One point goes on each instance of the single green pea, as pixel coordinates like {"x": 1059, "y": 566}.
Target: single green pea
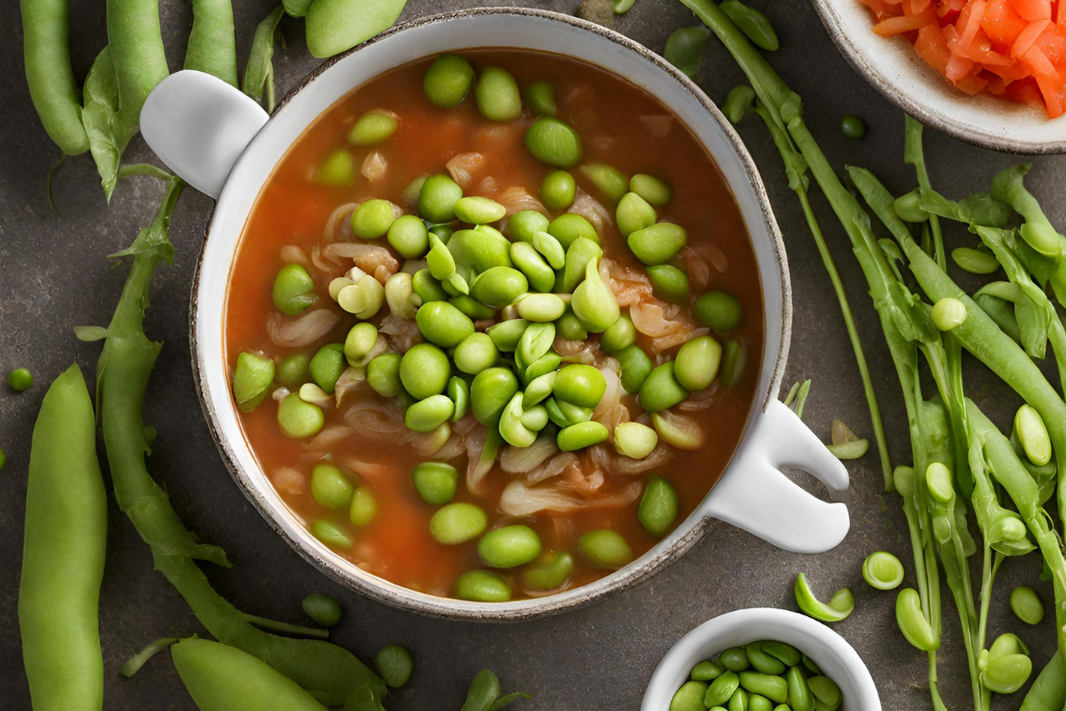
{"x": 331, "y": 535}
{"x": 541, "y": 308}
{"x": 499, "y": 286}
{"x": 568, "y": 227}
{"x": 298, "y": 419}
{"x": 364, "y": 507}
{"x": 429, "y": 414}
{"x": 435, "y": 482}
{"x": 735, "y": 659}
{"x": 689, "y": 697}
{"x": 540, "y": 98}
{"x": 633, "y": 214}
{"x": 372, "y": 219}
{"x": 661, "y": 390}
{"x": 490, "y": 392}
{"x": 21, "y": 379}
{"x": 338, "y": 170}
{"x": 395, "y": 665}
{"x": 330, "y": 487}
{"x": 1005, "y": 644}
{"x": 605, "y": 549}
{"x": 658, "y": 243}
{"x": 948, "y": 313}
{"x": 475, "y": 353}
{"x": 323, "y": 610}
{"x": 1026, "y": 605}
{"x": 619, "y": 335}
{"x": 853, "y": 126}
{"x": 507, "y": 334}
{"x": 437, "y": 198}
{"x": 409, "y": 237}
{"x": 738, "y": 102}
{"x": 569, "y": 327}
{"x": 719, "y": 311}
{"x": 383, "y": 375}
{"x": 578, "y": 255}
{"x": 293, "y": 370}
{"x": 443, "y": 324}
{"x": 448, "y": 80}
{"x": 550, "y": 573}
{"x": 636, "y": 367}
{"x": 579, "y": 384}
{"x": 621, "y": 7}
{"x": 530, "y": 262}
{"x": 611, "y": 182}
{"x": 427, "y": 288}
{"x": 457, "y": 523}
{"x": 634, "y": 440}
{"x": 475, "y": 210}
{"x": 252, "y": 379}
{"x": 655, "y": 191}
{"x": 373, "y": 127}
{"x": 721, "y": 689}
{"x": 509, "y": 546}
{"x": 293, "y": 291}
{"x": 684, "y": 48}
{"x": 537, "y": 340}
{"x": 358, "y": 344}
{"x": 581, "y": 435}
{"x": 696, "y": 364}
{"x": 593, "y": 301}
{"x": 458, "y": 391}
{"x": 707, "y": 671}
{"x": 550, "y": 248}
{"x": 1007, "y": 674}
{"x": 524, "y": 224}
{"x": 669, "y": 283}
{"x": 558, "y": 190}
{"x": 753, "y": 23}
{"x": 424, "y": 370}
{"x": 497, "y": 95}
{"x": 551, "y": 141}
{"x": 482, "y": 586}
{"x": 658, "y": 506}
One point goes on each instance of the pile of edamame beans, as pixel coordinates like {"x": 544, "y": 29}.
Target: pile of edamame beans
{"x": 490, "y": 294}
{"x": 761, "y": 676}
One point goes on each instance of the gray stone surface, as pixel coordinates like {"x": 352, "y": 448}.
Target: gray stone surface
{"x": 55, "y": 276}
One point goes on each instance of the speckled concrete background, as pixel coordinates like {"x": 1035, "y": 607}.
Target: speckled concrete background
{"x": 54, "y": 276}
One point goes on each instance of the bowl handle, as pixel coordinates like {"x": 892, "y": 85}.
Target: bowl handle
{"x": 199, "y": 126}
{"x": 754, "y": 495}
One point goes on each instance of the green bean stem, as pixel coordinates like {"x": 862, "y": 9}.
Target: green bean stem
{"x": 136, "y": 44}
{"x": 212, "y": 46}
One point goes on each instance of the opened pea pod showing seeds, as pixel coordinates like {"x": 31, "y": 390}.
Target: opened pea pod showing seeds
{"x": 475, "y": 343}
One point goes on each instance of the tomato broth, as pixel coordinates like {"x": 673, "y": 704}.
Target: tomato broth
{"x": 620, "y": 125}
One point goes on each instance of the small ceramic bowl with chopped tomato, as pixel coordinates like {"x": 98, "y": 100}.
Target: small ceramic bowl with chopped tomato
{"x": 989, "y": 72}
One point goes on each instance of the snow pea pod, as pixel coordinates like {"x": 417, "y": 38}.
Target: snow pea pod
{"x": 212, "y": 47}
{"x": 1048, "y": 692}
{"x": 136, "y": 45}
{"x": 63, "y": 553}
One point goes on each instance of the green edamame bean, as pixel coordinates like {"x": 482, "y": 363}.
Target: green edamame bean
{"x": 481, "y": 248}
{"x": 754, "y": 24}
{"x": 373, "y": 127}
{"x": 568, "y": 227}
{"x": 658, "y": 243}
{"x": 534, "y": 418}
{"x": 458, "y": 391}
{"x": 424, "y": 371}
{"x": 478, "y": 210}
{"x": 448, "y": 80}
{"x": 569, "y": 327}
{"x": 540, "y": 98}
{"x": 323, "y": 610}
{"x": 509, "y": 546}
{"x": 636, "y": 367}
{"x": 395, "y": 665}
{"x": 457, "y": 523}
{"x": 799, "y": 694}
{"x": 707, "y": 671}
{"x": 358, "y": 344}
{"x": 547, "y": 363}
{"x": 409, "y": 237}
{"x": 541, "y": 308}
{"x": 738, "y": 701}
{"x": 443, "y": 324}
{"x": 761, "y": 703}
{"x": 605, "y": 549}
{"x": 912, "y": 623}
{"x": 472, "y": 307}
{"x": 669, "y": 283}
{"x": 721, "y": 689}
{"x": 529, "y": 261}
{"x": 524, "y": 224}
{"x": 633, "y": 214}
{"x": 825, "y": 692}
{"x": 658, "y": 506}
{"x": 593, "y": 301}
{"x": 372, "y": 219}
{"x": 689, "y": 697}
{"x": 579, "y": 384}
{"x": 550, "y": 247}
{"x": 719, "y": 311}
{"x": 735, "y": 659}
{"x": 490, "y": 392}
{"x": 497, "y": 95}
{"x": 839, "y": 606}
{"x": 679, "y": 433}
{"x": 882, "y": 571}
{"x": 364, "y": 507}
{"x": 298, "y": 419}
{"x": 513, "y": 431}
{"x": 293, "y": 371}
{"x": 383, "y": 375}
{"x": 771, "y": 686}
{"x": 499, "y": 286}
{"x": 789, "y": 655}
{"x": 578, "y": 255}
{"x": 1026, "y": 605}
{"x": 429, "y": 414}
{"x": 507, "y": 334}
{"x": 581, "y": 435}
{"x": 634, "y": 440}
{"x": 338, "y": 170}
{"x": 329, "y": 534}
{"x": 482, "y": 586}
{"x": 551, "y": 141}
{"x": 975, "y": 261}
{"x": 330, "y": 487}
{"x": 661, "y": 390}
{"x": 1007, "y": 674}
{"x": 443, "y": 232}
{"x": 435, "y": 482}
{"x": 1032, "y": 434}
{"x": 683, "y": 49}
{"x": 558, "y": 190}
{"x": 252, "y": 379}
{"x": 437, "y": 198}
{"x": 551, "y": 573}
{"x": 737, "y": 102}
{"x": 655, "y": 191}
{"x": 293, "y": 290}
{"x": 696, "y": 363}
{"x": 475, "y": 353}
{"x": 537, "y": 340}
{"x": 610, "y": 181}
{"x": 619, "y": 335}
{"x": 853, "y": 126}
{"x": 908, "y": 207}
{"x": 427, "y": 288}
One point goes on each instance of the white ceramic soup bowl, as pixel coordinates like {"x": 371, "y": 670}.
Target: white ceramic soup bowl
{"x": 891, "y": 66}
{"x": 835, "y": 657}
{"x": 222, "y": 143}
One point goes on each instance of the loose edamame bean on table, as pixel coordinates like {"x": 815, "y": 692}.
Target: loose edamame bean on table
{"x": 395, "y": 665}
{"x": 1026, "y": 605}
{"x": 323, "y": 610}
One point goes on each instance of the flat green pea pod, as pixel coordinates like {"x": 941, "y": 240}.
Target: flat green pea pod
{"x": 208, "y": 670}
{"x": 684, "y": 47}
{"x": 136, "y": 46}
{"x": 912, "y": 622}
{"x": 755, "y": 25}
{"x": 550, "y": 573}
{"x": 578, "y": 255}
{"x": 838, "y": 608}
{"x": 551, "y": 141}
{"x": 593, "y": 301}
{"x": 658, "y": 243}
{"x": 1048, "y": 692}
{"x": 46, "y": 54}
{"x": 63, "y": 553}
{"x": 335, "y": 26}
{"x": 1007, "y": 674}
{"x": 689, "y": 697}
{"x": 212, "y": 46}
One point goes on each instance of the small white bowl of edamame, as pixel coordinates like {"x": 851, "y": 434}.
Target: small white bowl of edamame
{"x": 829, "y": 653}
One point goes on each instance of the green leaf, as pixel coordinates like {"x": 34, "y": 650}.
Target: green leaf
{"x": 108, "y": 133}
{"x": 685, "y": 47}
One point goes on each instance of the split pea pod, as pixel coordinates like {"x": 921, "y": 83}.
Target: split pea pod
{"x": 63, "y": 553}
{"x": 212, "y": 47}
{"x": 133, "y": 35}
{"x": 55, "y": 94}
